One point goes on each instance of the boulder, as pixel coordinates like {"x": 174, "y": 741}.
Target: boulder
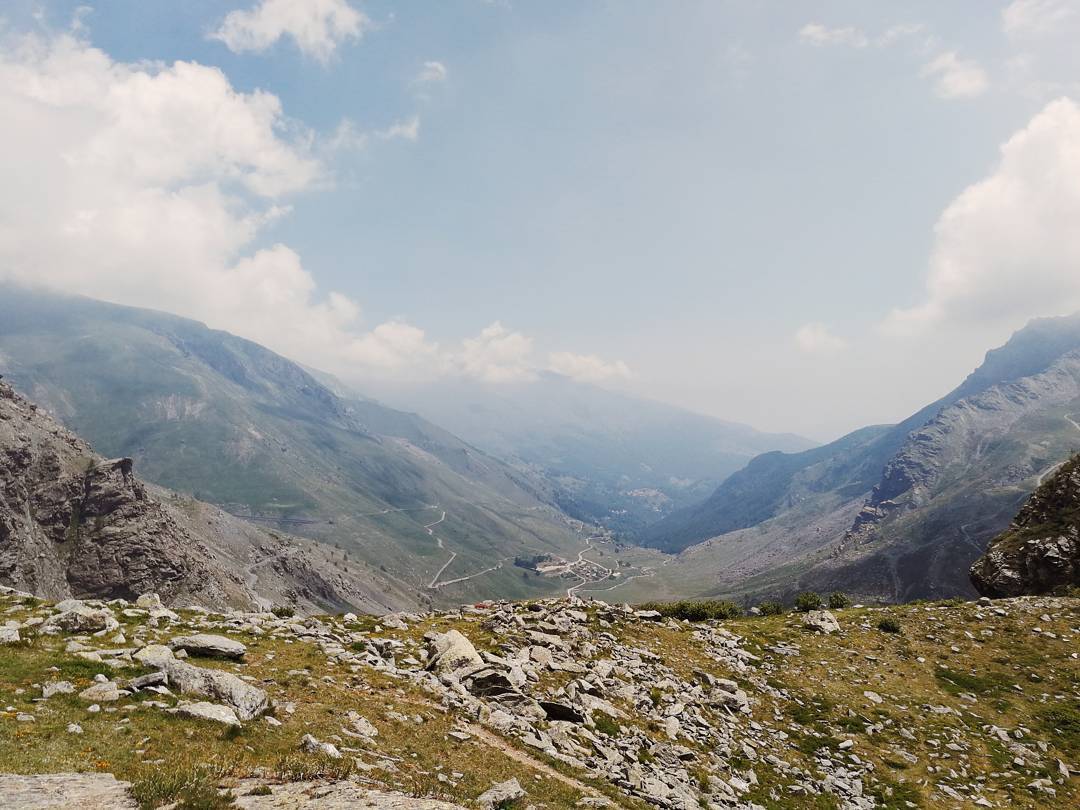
{"x": 148, "y": 601}
{"x": 246, "y": 700}
{"x": 310, "y": 745}
{"x": 57, "y": 688}
{"x": 80, "y": 619}
{"x": 86, "y": 791}
{"x": 500, "y": 794}
{"x": 209, "y": 645}
{"x": 450, "y": 651}
{"x": 208, "y": 711}
{"x": 9, "y": 635}
{"x": 821, "y": 621}
{"x": 101, "y": 693}
{"x": 154, "y": 655}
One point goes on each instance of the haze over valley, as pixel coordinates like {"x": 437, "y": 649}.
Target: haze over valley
{"x": 539, "y": 405}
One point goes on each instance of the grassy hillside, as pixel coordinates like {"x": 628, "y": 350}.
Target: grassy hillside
{"x": 221, "y": 418}
{"x": 925, "y": 705}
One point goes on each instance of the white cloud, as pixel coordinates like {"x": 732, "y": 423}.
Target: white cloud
{"x": 151, "y": 185}
{"x": 1008, "y": 247}
{"x": 348, "y": 135}
{"x": 432, "y": 72}
{"x": 317, "y": 26}
{"x": 1037, "y": 17}
{"x": 821, "y": 36}
{"x": 955, "y": 77}
{"x": 496, "y": 355}
{"x": 816, "y": 338}
{"x": 587, "y": 367}
{"x": 148, "y": 184}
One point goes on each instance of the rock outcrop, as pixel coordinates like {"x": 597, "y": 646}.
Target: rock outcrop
{"x": 73, "y": 524}
{"x": 1040, "y": 552}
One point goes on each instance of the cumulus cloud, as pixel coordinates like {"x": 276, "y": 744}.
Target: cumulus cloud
{"x": 317, "y": 27}
{"x": 432, "y": 72}
{"x": 496, "y": 355}
{"x": 587, "y": 367}
{"x": 816, "y": 338}
{"x": 955, "y": 77}
{"x": 1036, "y": 17}
{"x": 152, "y": 185}
{"x": 1008, "y": 247}
{"x": 149, "y": 185}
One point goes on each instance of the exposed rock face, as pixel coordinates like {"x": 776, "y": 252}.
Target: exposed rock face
{"x": 75, "y": 525}
{"x": 1040, "y": 552}
{"x": 894, "y": 512}
{"x": 56, "y": 791}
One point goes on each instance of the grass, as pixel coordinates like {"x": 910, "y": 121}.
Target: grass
{"x": 818, "y": 694}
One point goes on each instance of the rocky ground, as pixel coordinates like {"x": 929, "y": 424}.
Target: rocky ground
{"x": 545, "y": 704}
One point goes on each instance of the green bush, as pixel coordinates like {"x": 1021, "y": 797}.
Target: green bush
{"x": 701, "y": 610}
{"x": 838, "y": 600}
{"x": 283, "y": 611}
{"x": 770, "y": 608}
{"x": 807, "y": 601}
{"x": 889, "y": 625}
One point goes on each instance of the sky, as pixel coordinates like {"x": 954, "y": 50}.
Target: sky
{"x": 806, "y": 216}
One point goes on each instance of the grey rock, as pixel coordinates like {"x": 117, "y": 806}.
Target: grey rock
{"x": 209, "y": 645}
{"x": 208, "y": 711}
{"x": 246, "y": 700}
{"x": 310, "y": 745}
{"x": 499, "y": 794}
{"x": 9, "y": 635}
{"x": 63, "y": 791}
{"x": 57, "y": 688}
{"x": 323, "y": 795}
{"x": 821, "y": 621}
{"x": 154, "y": 655}
{"x": 81, "y": 619}
{"x": 101, "y": 693}
{"x": 451, "y": 651}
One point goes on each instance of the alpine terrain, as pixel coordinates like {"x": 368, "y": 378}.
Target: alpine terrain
{"x": 228, "y": 422}
{"x": 891, "y": 512}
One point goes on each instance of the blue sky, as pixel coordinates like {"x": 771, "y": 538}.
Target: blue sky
{"x": 716, "y": 204}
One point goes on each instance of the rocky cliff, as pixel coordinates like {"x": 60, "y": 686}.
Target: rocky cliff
{"x": 1040, "y": 552}
{"x": 73, "y": 524}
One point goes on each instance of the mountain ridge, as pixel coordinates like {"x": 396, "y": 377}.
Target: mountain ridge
{"x": 204, "y": 412}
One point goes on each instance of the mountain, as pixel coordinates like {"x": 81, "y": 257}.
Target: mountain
{"x": 613, "y": 459}
{"x": 221, "y": 418}
{"x": 895, "y": 512}
{"x": 1040, "y": 551}
{"x": 73, "y": 524}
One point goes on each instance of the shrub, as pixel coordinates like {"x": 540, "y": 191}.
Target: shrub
{"x": 701, "y": 610}
{"x": 889, "y": 625}
{"x": 838, "y": 600}
{"x": 807, "y": 601}
{"x": 770, "y": 608}
{"x": 283, "y": 611}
